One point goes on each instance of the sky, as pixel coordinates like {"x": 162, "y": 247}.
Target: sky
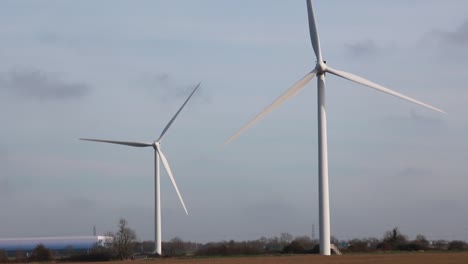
{"x": 119, "y": 70}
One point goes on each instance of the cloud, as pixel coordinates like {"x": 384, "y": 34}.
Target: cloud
{"x": 6, "y": 186}
{"x": 40, "y": 85}
{"x": 168, "y": 89}
{"x": 53, "y": 38}
{"x": 3, "y": 150}
{"x": 414, "y": 119}
{"x": 421, "y": 119}
{"x": 457, "y": 37}
{"x": 447, "y": 44}
{"x": 368, "y": 48}
{"x": 411, "y": 172}
{"x": 363, "y": 48}
{"x": 80, "y": 203}
{"x": 3, "y": 155}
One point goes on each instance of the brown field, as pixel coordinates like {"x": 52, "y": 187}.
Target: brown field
{"x": 406, "y": 258}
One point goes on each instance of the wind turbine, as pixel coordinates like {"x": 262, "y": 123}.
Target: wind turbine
{"x": 319, "y": 71}
{"x": 158, "y": 154}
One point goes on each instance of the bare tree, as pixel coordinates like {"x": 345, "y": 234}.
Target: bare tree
{"x": 41, "y": 253}
{"x": 305, "y": 241}
{"x": 457, "y": 245}
{"x": 285, "y": 238}
{"x": 175, "y": 247}
{"x": 392, "y": 239}
{"x": 422, "y": 241}
{"x": 3, "y": 256}
{"x": 123, "y": 240}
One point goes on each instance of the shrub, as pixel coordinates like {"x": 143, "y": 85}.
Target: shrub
{"x": 293, "y": 248}
{"x": 392, "y": 240}
{"x": 229, "y": 248}
{"x": 91, "y": 257}
{"x": 457, "y": 245}
{"x": 95, "y": 255}
{"x": 3, "y": 256}
{"x": 20, "y": 256}
{"x": 410, "y": 247}
{"x": 41, "y": 253}
{"x": 357, "y": 245}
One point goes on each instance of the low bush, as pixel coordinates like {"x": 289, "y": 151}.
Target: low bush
{"x": 457, "y": 245}
{"x": 3, "y": 256}
{"x": 41, "y": 253}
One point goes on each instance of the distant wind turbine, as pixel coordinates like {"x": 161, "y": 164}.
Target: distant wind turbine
{"x": 158, "y": 154}
{"x": 320, "y": 70}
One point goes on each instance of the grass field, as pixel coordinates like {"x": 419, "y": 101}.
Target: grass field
{"x": 406, "y": 258}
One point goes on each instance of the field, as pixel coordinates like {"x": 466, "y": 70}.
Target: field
{"x": 406, "y": 258}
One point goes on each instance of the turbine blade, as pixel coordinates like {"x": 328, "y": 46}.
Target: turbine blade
{"x": 370, "y": 84}
{"x": 169, "y": 172}
{"x": 127, "y": 143}
{"x": 175, "y": 116}
{"x": 295, "y": 89}
{"x": 314, "y": 37}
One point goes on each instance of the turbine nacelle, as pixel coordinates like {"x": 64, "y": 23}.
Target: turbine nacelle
{"x": 156, "y": 145}
{"x": 320, "y": 67}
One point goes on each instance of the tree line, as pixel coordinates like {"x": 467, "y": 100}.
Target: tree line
{"x": 392, "y": 240}
{"x": 126, "y": 246}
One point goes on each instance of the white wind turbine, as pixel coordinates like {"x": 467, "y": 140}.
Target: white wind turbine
{"x": 158, "y": 154}
{"x": 320, "y": 70}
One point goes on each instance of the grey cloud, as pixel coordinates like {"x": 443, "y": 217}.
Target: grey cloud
{"x": 62, "y": 40}
{"x": 414, "y": 118}
{"x": 80, "y": 203}
{"x": 3, "y": 150}
{"x": 50, "y": 38}
{"x": 412, "y": 172}
{"x": 6, "y": 186}
{"x": 363, "y": 48}
{"x": 3, "y": 155}
{"x": 168, "y": 89}
{"x": 39, "y": 85}
{"x": 458, "y": 37}
{"x": 452, "y": 45}
{"x": 419, "y": 118}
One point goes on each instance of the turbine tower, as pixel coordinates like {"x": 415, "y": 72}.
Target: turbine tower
{"x": 158, "y": 155}
{"x": 319, "y": 71}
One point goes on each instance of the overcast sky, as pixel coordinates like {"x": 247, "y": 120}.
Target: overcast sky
{"x": 120, "y": 69}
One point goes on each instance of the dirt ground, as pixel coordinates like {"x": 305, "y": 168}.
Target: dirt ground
{"x": 407, "y": 258}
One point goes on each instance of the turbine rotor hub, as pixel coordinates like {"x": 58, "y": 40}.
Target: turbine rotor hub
{"x": 321, "y": 67}
{"x": 156, "y": 145}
